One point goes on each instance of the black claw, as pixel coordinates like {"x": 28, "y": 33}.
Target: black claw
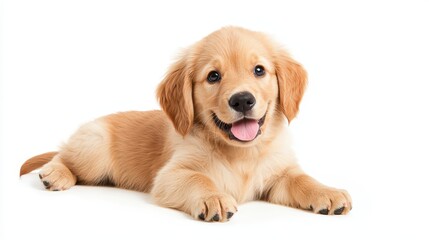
{"x": 201, "y": 216}
{"x": 324, "y": 211}
{"x": 40, "y": 176}
{"x": 55, "y": 190}
{"x": 339, "y": 211}
{"x": 311, "y": 208}
{"x": 216, "y": 218}
{"x": 229, "y": 215}
{"x": 46, "y": 183}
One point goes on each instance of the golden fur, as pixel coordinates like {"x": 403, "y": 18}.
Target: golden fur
{"x": 182, "y": 157}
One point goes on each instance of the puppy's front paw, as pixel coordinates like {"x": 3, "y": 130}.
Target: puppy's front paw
{"x": 216, "y": 207}
{"x": 326, "y": 200}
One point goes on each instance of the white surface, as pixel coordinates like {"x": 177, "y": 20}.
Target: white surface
{"x": 363, "y": 124}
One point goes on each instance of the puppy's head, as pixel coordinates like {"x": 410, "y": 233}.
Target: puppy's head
{"x": 235, "y": 84}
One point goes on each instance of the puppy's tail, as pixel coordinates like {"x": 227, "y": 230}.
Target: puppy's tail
{"x": 36, "y": 162}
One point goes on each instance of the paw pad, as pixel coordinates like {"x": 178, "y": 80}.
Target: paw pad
{"x": 216, "y": 218}
{"x": 324, "y": 211}
{"x": 339, "y": 211}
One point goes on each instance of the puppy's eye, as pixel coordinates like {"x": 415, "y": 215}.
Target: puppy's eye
{"x": 213, "y": 77}
{"x": 259, "y": 71}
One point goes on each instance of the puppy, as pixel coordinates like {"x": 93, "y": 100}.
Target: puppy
{"x": 220, "y": 140}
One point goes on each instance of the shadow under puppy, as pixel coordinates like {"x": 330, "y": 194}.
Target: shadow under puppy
{"x": 220, "y": 140}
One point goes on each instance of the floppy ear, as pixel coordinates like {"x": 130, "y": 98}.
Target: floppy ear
{"x": 175, "y": 96}
{"x": 292, "y": 80}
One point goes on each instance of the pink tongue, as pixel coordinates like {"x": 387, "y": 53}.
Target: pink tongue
{"x": 245, "y": 130}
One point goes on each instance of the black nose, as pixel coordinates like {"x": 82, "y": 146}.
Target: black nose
{"x": 242, "y": 101}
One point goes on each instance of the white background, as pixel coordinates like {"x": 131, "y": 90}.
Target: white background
{"x": 363, "y": 125}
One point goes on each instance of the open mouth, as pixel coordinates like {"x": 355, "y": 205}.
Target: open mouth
{"x": 243, "y": 130}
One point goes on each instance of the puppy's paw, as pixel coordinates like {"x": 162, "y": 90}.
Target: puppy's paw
{"x": 215, "y": 208}
{"x": 57, "y": 177}
{"x": 327, "y": 201}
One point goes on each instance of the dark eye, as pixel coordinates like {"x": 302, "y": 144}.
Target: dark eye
{"x": 259, "y": 71}
{"x": 213, "y": 77}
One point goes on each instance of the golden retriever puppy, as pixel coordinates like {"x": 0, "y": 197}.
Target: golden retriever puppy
{"x": 220, "y": 140}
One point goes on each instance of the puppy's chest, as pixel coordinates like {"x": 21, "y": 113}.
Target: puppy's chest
{"x": 243, "y": 180}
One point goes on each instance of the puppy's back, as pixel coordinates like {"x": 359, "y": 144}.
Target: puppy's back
{"x": 141, "y": 143}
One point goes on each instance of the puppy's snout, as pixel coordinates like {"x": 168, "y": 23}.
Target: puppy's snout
{"x": 242, "y": 101}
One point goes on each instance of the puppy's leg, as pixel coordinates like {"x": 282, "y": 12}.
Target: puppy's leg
{"x": 85, "y": 158}
{"x": 193, "y": 193}
{"x": 295, "y": 188}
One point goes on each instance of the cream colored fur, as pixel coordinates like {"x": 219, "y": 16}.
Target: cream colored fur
{"x": 182, "y": 157}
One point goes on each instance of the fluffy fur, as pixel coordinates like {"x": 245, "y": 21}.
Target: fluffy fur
{"x": 182, "y": 156}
